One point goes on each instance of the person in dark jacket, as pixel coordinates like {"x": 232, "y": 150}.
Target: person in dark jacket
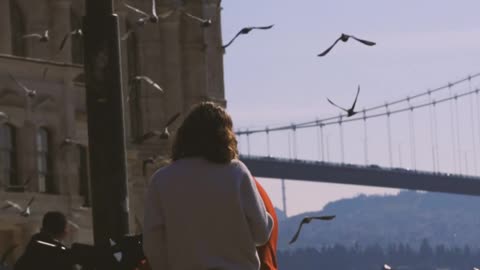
{"x": 45, "y": 249}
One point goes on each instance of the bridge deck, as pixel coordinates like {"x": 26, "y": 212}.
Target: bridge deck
{"x": 361, "y": 175}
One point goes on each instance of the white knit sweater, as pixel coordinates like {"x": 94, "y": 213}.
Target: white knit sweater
{"x": 204, "y": 216}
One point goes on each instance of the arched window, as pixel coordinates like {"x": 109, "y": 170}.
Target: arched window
{"x": 77, "y": 42}
{"x": 44, "y": 163}
{"x": 8, "y": 156}
{"x": 134, "y": 89}
{"x": 17, "y": 24}
{"x": 84, "y": 186}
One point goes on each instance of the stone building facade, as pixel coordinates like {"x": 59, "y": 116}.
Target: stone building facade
{"x": 183, "y": 57}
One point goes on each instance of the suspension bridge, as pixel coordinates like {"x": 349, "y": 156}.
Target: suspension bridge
{"x": 428, "y": 141}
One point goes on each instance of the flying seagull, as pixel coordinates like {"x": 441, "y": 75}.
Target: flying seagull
{"x": 351, "y": 111}
{"x": 345, "y": 38}
{"x": 164, "y": 134}
{"x": 149, "y": 81}
{"x": 386, "y": 267}
{"x": 307, "y": 220}
{"x": 245, "y": 31}
{"x": 146, "y": 79}
{"x": 3, "y": 117}
{"x": 43, "y": 37}
{"x": 24, "y": 212}
{"x": 74, "y": 33}
{"x": 29, "y": 92}
{"x": 153, "y": 16}
{"x": 203, "y": 22}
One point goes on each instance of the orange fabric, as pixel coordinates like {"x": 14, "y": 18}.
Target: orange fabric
{"x": 268, "y": 252}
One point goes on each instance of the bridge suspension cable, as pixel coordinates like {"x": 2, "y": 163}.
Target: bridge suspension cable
{"x": 413, "y": 150}
{"x": 342, "y": 148}
{"x": 365, "y": 137}
{"x": 389, "y": 135}
{"x": 336, "y": 118}
{"x": 472, "y": 124}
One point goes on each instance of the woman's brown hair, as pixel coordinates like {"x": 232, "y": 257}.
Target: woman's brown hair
{"x": 206, "y": 132}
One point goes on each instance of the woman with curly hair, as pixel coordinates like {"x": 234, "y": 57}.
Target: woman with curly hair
{"x": 203, "y": 211}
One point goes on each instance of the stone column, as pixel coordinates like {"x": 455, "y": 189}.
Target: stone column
{"x": 59, "y": 26}
{"x": 172, "y": 67}
{"x": 5, "y": 28}
{"x": 214, "y": 53}
{"x": 28, "y": 152}
{"x": 194, "y": 61}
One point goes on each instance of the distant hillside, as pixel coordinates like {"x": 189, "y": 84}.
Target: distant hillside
{"x": 409, "y": 217}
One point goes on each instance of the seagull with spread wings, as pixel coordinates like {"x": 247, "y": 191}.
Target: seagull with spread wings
{"x": 29, "y": 92}
{"x": 345, "y": 38}
{"x": 163, "y": 134}
{"x": 74, "y": 33}
{"x": 351, "y": 111}
{"x": 24, "y": 212}
{"x": 245, "y": 31}
{"x": 43, "y": 37}
{"x": 147, "y": 80}
{"x": 307, "y": 220}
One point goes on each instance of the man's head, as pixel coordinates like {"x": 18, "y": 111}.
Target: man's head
{"x": 55, "y": 224}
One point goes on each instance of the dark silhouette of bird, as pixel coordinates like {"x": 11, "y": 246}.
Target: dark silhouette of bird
{"x": 351, "y": 111}
{"x": 29, "y": 92}
{"x": 24, "y": 212}
{"x": 43, "y": 37}
{"x": 345, "y": 38}
{"x": 74, "y": 33}
{"x": 307, "y": 220}
{"x": 3, "y": 260}
{"x": 3, "y": 117}
{"x": 245, "y": 31}
{"x": 163, "y": 134}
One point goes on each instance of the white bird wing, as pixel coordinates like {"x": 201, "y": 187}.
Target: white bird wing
{"x": 136, "y": 10}
{"x": 14, "y": 205}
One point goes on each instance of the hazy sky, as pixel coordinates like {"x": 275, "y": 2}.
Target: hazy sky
{"x": 274, "y": 77}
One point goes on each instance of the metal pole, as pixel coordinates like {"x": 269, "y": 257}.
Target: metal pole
{"x": 106, "y": 132}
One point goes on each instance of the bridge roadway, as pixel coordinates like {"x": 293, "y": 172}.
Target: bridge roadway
{"x": 372, "y": 175}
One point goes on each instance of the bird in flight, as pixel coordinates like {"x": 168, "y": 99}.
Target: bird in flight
{"x": 245, "y": 31}
{"x": 351, "y": 111}
{"x": 345, "y": 38}
{"x": 29, "y": 92}
{"x": 24, "y": 212}
{"x": 164, "y": 134}
{"x": 146, "y": 79}
{"x": 387, "y": 267}
{"x": 43, "y": 37}
{"x": 149, "y": 81}
{"x": 74, "y": 33}
{"x": 203, "y": 22}
{"x": 307, "y": 220}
